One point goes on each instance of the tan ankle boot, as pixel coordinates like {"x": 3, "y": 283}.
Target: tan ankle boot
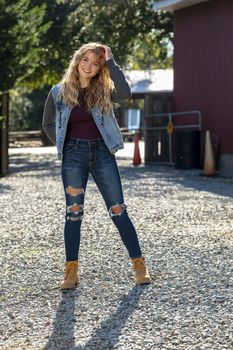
{"x": 141, "y": 272}
{"x": 71, "y": 278}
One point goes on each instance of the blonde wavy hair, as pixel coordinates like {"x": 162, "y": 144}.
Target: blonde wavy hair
{"x": 98, "y": 92}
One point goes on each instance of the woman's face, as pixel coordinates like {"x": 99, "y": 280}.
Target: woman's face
{"x": 88, "y": 67}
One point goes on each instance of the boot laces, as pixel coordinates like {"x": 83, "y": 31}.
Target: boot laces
{"x": 139, "y": 265}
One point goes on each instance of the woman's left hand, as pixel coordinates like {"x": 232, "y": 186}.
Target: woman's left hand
{"x": 108, "y": 52}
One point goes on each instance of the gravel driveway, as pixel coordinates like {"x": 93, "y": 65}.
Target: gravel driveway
{"x": 185, "y": 225}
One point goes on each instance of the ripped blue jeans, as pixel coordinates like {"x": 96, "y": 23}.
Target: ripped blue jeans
{"x": 81, "y": 157}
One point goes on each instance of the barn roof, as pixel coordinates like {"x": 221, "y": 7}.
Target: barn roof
{"x": 150, "y": 81}
{"x": 172, "y": 5}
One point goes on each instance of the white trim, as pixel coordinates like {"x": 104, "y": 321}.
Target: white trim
{"x": 172, "y": 5}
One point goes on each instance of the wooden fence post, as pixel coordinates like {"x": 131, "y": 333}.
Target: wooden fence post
{"x": 4, "y": 124}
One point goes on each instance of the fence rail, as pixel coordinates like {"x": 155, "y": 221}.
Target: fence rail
{"x": 32, "y": 135}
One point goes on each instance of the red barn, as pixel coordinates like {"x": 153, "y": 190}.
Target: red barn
{"x": 203, "y": 67}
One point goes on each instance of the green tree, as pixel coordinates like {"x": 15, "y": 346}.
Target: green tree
{"x": 21, "y": 30}
{"x": 20, "y": 108}
{"x": 151, "y": 54}
{"x": 125, "y": 25}
{"x": 38, "y": 39}
{"x": 135, "y": 32}
{"x": 56, "y": 44}
{"x": 120, "y": 24}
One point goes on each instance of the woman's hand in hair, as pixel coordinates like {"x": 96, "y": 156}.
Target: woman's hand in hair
{"x": 108, "y": 52}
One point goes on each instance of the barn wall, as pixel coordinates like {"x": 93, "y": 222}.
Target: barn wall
{"x": 203, "y": 66}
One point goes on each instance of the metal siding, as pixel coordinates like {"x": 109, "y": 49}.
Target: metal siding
{"x": 203, "y": 66}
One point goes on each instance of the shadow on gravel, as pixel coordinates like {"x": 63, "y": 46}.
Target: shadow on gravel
{"x": 187, "y": 178}
{"x": 25, "y": 163}
{"x": 5, "y": 188}
{"x": 157, "y": 173}
{"x": 104, "y": 337}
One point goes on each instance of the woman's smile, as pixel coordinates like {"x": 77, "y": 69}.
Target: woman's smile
{"x": 88, "y": 67}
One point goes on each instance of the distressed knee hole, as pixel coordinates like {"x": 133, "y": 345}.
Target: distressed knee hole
{"x": 75, "y": 208}
{"x": 75, "y": 212}
{"x": 74, "y": 191}
{"x": 117, "y": 209}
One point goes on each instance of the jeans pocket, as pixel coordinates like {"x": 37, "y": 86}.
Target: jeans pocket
{"x": 69, "y": 147}
{"x": 104, "y": 147}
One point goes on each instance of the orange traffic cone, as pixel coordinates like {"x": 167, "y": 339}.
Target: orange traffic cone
{"x": 136, "y": 156}
{"x": 209, "y": 162}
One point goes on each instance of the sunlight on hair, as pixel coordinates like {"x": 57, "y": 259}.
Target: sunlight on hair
{"x": 100, "y": 88}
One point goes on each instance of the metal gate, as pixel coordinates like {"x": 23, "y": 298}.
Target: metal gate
{"x": 162, "y": 133}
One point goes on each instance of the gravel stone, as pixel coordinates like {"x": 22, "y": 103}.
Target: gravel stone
{"x": 185, "y": 226}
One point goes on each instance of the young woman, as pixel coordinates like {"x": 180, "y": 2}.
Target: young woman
{"x": 79, "y": 118}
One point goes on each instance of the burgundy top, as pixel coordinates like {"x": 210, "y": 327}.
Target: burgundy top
{"x": 81, "y": 124}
